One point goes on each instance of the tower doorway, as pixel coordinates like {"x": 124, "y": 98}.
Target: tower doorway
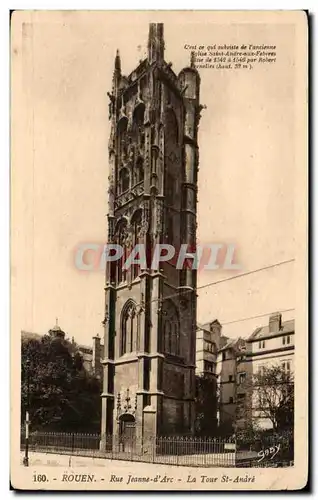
{"x": 127, "y": 432}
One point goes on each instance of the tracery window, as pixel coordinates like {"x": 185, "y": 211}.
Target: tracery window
{"x": 123, "y": 180}
{"x": 129, "y": 328}
{"x": 139, "y": 170}
{"x": 122, "y": 138}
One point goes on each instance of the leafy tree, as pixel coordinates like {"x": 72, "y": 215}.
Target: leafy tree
{"x": 63, "y": 396}
{"x": 206, "y": 405}
{"x": 269, "y": 394}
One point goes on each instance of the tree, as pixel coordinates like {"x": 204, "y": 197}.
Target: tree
{"x": 206, "y": 405}
{"x": 62, "y": 394}
{"x": 269, "y": 394}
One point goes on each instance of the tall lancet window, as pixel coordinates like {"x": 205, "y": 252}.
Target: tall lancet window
{"x": 171, "y": 329}
{"x": 128, "y": 338}
{"x": 122, "y": 137}
{"x": 138, "y": 124}
{"x": 139, "y": 170}
{"x": 136, "y": 224}
{"x": 123, "y": 180}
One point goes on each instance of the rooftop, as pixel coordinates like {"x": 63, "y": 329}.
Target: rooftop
{"x": 264, "y": 331}
{"x": 235, "y": 344}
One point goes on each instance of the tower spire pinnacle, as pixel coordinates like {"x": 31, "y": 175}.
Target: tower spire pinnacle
{"x": 156, "y": 44}
{"x": 117, "y": 73}
{"x": 117, "y": 62}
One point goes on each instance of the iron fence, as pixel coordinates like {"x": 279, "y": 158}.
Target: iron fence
{"x": 172, "y": 450}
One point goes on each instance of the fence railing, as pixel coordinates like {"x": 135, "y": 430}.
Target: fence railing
{"x": 172, "y": 450}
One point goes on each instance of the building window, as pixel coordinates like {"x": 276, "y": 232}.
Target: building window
{"x": 261, "y": 344}
{"x": 286, "y": 367}
{"x": 209, "y": 346}
{"x": 231, "y": 400}
{"x": 209, "y": 367}
{"x": 123, "y": 180}
{"x": 230, "y": 378}
{"x": 139, "y": 170}
{"x": 286, "y": 340}
{"x": 223, "y": 356}
{"x": 242, "y": 378}
{"x": 128, "y": 329}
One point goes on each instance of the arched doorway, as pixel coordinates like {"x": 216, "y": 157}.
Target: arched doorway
{"x": 127, "y": 432}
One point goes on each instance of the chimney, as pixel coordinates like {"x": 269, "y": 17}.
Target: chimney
{"x": 96, "y": 361}
{"x": 275, "y": 322}
{"x": 215, "y": 327}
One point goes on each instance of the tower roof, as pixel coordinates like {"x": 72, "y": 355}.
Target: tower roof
{"x": 56, "y": 330}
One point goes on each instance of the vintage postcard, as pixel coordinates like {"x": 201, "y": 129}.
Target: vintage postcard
{"x": 159, "y": 250}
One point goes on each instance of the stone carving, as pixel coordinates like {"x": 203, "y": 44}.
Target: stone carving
{"x": 111, "y": 229}
{"x": 131, "y": 153}
{"x": 126, "y": 403}
{"x": 129, "y": 238}
{"x": 144, "y": 219}
{"x": 126, "y": 197}
{"x": 111, "y": 106}
{"x": 159, "y": 217}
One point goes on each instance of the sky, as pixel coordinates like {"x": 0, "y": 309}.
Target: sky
{"x": 62, "y": 65}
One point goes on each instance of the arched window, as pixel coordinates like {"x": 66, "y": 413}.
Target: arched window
{"x": 123, "y": 180}
{"x": 136, "y": 224}
{"x": 138, "y": 125}
{"x": 128, "y": 328}
{"x": 122, "y": 138}
{"x": 171, "y": 328}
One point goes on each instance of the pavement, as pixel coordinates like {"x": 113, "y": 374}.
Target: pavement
{"x": 55, "y": 460}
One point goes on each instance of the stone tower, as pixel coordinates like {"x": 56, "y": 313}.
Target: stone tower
{"x": 150, "y": 315}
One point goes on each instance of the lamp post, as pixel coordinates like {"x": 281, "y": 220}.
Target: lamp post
{"x": 27, "y": 421}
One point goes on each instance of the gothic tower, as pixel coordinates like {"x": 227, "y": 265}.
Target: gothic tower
{"x": 150, "y": 315}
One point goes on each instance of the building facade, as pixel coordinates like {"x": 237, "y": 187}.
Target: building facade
{"x": 240, "y": 361}
{"x": 93, "y": 356}
{"x": 150, "y": 314}
{"x": 232, "y": 371}
{"x": 272, "y": 345}
{"x": 207, "y": 346}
